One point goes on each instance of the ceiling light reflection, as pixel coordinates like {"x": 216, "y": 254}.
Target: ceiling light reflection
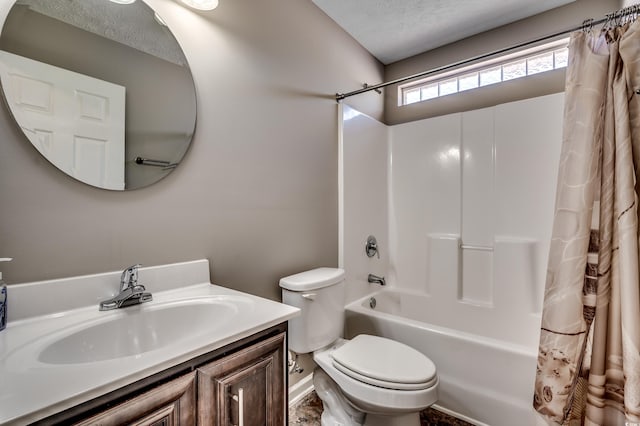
{"x": 201, "y": 4}
{"x": 448, "y": 155}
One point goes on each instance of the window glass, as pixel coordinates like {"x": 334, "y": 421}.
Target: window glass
{"x": 430, "y": 91}
{"x": 490, "y": 76}
{"x": 514, "y": 70}
{"x": 448, "y": 87}
{"x": 561, "y": 58}
{"x": 536, "y": 60}
{"x": 540, "y": 63}
{"x": 411, "y": 96}
{"x": 469, "y": 81}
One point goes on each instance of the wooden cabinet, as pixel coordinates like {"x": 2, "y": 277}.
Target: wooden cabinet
{"x": 170, "y": 404}
{"x": 242, "y": 384}
{"x": 244, "y": 388}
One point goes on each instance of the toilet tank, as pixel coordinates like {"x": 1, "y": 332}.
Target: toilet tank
{"x": 319, "y": 293}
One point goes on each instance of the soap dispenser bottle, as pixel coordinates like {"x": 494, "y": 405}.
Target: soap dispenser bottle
{"x": 3, "y": 298}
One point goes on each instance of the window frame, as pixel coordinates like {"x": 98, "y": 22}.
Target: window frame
{"x": 420, "y": 86}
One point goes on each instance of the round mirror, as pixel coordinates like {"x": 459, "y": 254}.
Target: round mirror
{"x": 101, "y": 88}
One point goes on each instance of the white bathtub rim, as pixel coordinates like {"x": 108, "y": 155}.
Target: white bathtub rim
{"x": 357, "y": 306}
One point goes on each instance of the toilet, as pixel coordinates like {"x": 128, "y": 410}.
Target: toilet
{"x": 368, "y": 380}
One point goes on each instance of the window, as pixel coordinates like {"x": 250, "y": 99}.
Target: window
{"x": 532, "y": 61}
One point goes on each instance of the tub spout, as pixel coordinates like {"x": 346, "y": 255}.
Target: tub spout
{"x": 376, "y": 279}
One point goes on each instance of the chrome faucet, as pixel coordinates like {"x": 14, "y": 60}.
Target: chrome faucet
{"x": 131, "y": 293}
{"x": 376, "y": 279}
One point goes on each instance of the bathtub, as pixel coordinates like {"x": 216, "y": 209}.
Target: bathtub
{"x": 483, "y": 380}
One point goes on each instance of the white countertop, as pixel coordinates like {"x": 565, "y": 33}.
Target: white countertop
{"x": 31, "y": 389}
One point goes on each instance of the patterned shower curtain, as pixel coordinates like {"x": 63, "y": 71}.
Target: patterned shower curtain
{"x": 589, "y": 356}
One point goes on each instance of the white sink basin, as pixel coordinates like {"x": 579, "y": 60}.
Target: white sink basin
{"x": 138, "y": 329}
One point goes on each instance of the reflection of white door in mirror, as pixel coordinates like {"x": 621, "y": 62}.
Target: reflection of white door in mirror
{"x": 77, "y": 122}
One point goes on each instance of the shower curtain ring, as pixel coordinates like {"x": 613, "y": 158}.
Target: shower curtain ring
{"x": 608, "y": 22}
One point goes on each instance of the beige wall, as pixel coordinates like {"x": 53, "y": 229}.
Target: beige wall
{"x": 257, "y": 192}
{"x": 555, "y": 20}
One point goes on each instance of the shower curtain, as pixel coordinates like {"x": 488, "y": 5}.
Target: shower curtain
{"x": 589, "y": 355}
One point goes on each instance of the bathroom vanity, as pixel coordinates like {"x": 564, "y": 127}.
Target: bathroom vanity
{"x": 197, "y": 353}
{"x": 242, "y": 383}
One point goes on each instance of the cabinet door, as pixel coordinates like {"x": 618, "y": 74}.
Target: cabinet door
{"x": 170, "y": 404}
{"x": 245, "y": 388}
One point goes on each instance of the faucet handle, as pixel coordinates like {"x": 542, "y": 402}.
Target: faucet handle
{"x": 371, "y": 248}
{"x": 129, "y": 276}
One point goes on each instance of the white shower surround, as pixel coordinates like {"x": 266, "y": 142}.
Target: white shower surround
{"x": 482, "y": 179}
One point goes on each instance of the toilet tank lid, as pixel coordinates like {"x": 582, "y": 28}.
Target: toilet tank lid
{"x": 313, "y": 279}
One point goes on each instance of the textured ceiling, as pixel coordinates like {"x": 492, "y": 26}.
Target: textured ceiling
{"x": 397, "y": 29}
{"x": 132, "y": 25}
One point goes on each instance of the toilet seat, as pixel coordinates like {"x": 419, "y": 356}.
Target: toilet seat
{"x": 385, "y": 384}
{"x": 371, "y": 398}
{"x": 384, "y": 363}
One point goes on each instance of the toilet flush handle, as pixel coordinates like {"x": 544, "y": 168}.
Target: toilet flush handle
{"x": 309, "y": 296}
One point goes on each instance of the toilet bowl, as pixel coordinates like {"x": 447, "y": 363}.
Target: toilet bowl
{"x": 368, "y": 392}
{"x": 368, "y": 380}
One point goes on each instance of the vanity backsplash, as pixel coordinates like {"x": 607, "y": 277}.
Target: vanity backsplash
{"x": 47, "y": 297}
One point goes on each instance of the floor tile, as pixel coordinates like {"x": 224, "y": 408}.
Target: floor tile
{"x": 309, "y": 410}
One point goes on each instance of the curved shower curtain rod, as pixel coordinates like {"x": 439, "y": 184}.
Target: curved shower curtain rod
{"x": 587, "y": 24}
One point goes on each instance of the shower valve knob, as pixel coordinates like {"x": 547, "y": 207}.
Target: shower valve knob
{"x": 372, "y": 247}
